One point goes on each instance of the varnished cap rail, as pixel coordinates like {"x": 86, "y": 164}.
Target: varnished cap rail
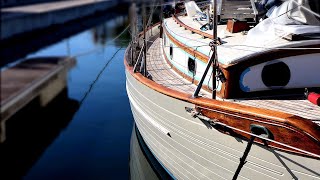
{"x": 286, "y": 128}
{"x": 203, "y": 34}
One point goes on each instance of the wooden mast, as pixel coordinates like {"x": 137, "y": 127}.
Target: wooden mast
{"x": 213, "y": 59}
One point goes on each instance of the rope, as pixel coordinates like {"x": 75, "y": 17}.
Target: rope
{"x": 104, "y": 67}
{"x": 97, "y": 77}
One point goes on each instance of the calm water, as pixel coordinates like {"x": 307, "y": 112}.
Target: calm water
{"x": 85, "y": 132}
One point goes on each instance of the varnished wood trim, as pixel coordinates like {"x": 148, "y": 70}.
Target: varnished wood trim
{"x": 185, "y": 76}
{"x": 202, "y": 57}
{"x": 203, "y": 34}
{"x": 281, "y": 132}
{"x": 233, "y": 72}
{"x": 232, "y": 114}
{"x": 235, "y": 110}
{"x": 272, "y": 54}
{"x": 149, "y": 27}
{"x": 231, "y": 88}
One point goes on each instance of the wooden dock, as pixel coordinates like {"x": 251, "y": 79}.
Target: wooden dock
{"x": 41, "y": 78}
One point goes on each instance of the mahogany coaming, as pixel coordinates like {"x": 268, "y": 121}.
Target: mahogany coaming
{"x": 231, "y": 88}
{"x": 286, "y": 128}
{"x": 193, "y": 52}
{"x": 234, "y": 71}
{"x": 185, "y": 76}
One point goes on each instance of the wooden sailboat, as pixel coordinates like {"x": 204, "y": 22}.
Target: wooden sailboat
{"x": 230, "y": 103}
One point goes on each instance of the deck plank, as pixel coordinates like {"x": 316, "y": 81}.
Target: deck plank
{"x": 163, "y": 74}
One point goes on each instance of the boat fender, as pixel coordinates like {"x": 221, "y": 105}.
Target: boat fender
{"x": 313, "y": 97}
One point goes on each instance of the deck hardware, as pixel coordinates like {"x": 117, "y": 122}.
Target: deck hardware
{"x": 312, "y": 97}
{"x": 193, "y": 112}
{"x": 220, "y": 76}
{"x": 197, "y": 114}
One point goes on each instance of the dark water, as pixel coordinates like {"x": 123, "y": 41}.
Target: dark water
{"x": 85, "y": 132}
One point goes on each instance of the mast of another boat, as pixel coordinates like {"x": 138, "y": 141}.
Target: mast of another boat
{"x": 161, "y": 19}
{"x": 133, "y": 21}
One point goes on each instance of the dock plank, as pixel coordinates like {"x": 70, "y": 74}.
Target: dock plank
{"x": 37, "y": 77}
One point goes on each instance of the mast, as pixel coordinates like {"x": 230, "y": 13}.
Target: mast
{"x": 214, "y": 53}
{"x": 213, "y": 59}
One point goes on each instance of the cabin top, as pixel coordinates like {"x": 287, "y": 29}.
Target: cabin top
{"x": 234, "y": 46}
{"x": 240, "y": 38}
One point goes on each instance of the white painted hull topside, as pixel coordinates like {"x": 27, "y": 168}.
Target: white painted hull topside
{"x": 195, "y": 151}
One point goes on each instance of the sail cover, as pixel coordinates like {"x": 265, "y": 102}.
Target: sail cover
{"x": 290, "y": 17}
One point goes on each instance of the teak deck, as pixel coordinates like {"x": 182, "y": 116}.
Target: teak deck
{"x": 163, "y": 74}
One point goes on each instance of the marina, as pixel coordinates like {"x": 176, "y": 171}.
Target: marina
{"x": 71, "y": 136}
{"x": 105, "y": 89}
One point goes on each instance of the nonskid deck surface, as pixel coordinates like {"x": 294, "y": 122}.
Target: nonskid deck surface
{"x": 163, "y": 74}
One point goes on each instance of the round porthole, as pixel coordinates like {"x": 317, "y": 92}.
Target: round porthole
{"x": 276, "y": 74}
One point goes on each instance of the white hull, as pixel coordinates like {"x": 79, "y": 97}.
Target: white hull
{"x": 191, "y": 150}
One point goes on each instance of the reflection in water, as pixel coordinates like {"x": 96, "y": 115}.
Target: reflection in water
{"x": 100, "y": 34}
{"x": 95, "y": 144}
{"x": 37, "y": 127}
{"x": 32, "y": 42}
{"x": 143, "y": 165}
